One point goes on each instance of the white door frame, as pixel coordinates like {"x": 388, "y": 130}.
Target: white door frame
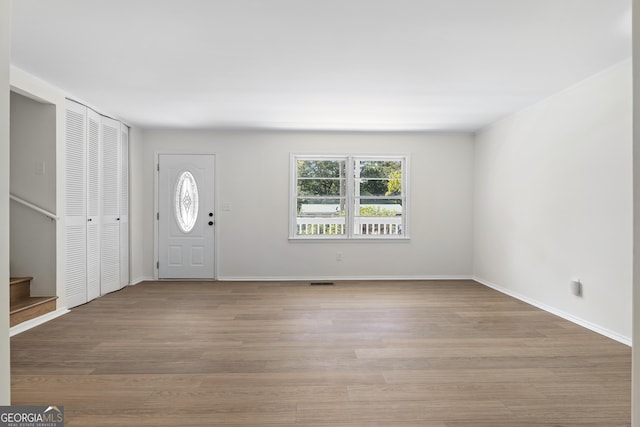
{"x": 156, "y": 210}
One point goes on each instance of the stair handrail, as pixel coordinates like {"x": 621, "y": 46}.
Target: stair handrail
{"x": 30, "y": 205}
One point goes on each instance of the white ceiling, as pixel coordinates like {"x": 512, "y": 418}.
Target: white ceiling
{"x": 442, "y": 65}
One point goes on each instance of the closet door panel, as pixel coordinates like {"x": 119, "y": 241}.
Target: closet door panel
{"x": 94, "y": 217}
{"x": 110, "y": 234}
{"x": 96, "y": 221}
{"x": 75, "y": 226}
{"x": 124, "y": 206}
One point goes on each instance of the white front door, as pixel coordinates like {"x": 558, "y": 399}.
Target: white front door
{"x": 186, "y": 216}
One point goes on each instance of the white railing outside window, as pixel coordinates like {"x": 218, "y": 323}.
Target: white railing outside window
{"x": 378, "y": 225}
{"x": 320, "y": 226}
{"x": 363, "y": 226}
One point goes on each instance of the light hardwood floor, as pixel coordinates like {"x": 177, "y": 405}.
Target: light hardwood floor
{"x": 439, "y": 354}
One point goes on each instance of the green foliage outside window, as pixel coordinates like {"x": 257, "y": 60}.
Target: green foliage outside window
{"x": 376, "y": 211}
{"x": 394, "y": 186}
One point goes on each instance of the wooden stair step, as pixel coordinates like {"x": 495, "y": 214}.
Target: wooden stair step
{"x": 22, "y": 305}
{"x": 27, "y": 303}
{"x": 30, "y": 307}
{"x": 18, "y": 280}
{"x": 19, "y": 289}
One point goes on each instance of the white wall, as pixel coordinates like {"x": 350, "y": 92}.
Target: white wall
{"x": 47, "y": 104}
{"x": 33, "y": 144}
{"x": 33, "y": 178}
{"x": 253, "y": 175}
{"x": 5, "y": 49}
{"x": 136, "y": 207}
{"x": 553, "y": 202}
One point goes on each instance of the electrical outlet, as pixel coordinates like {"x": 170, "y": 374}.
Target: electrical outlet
{"x": 338, "y": 256}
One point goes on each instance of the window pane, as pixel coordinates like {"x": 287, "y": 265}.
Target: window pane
{"x": 378, "y": 168}
{"x": 321, "y": 168}
{"x": 320, "y": 187}
{"x": 378, "y": 178}
{"x": 320, "y": 198}
{"x": 380, "y": 187}
{"x": 186, "y": 201}
{"x": 378, "y": 217}
{"x": 379, "y": 207}
{"x": 320, "y": 206}
{"x": 320, "y": 216}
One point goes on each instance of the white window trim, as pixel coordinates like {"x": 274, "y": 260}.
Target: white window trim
{"x": 349, "y": 214}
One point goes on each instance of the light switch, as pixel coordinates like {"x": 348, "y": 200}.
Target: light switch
{"x": 40, "y": 168}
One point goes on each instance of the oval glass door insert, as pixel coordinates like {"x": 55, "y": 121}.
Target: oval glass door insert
{"x": 186, "y": 206}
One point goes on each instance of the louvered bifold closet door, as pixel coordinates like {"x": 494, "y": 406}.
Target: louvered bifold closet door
{"x": 75, "y": 226}
{"x": 110, "y": 236}
{"x": 124, "y": 205}
{"x": 94, "y": 218}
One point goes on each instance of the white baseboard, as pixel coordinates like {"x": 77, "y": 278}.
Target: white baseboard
{"x": 308, "y": 278}
{"x": 578, "y": 321}
{"x": 25, "y": 326}
{"x": 140, "y": 280}
{"x": 334, "y": 278}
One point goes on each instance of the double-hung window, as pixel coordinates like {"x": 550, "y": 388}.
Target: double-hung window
{"x": 348, "y": 197}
